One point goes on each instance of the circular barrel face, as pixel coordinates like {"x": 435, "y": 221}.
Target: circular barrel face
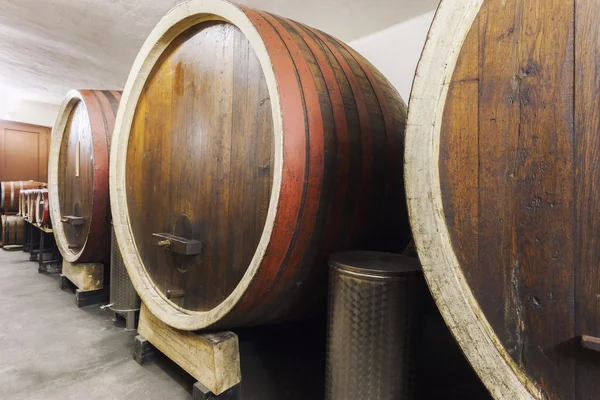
{"x": 200, "y": 163}
{"x": 78, "y": 174}
{"x": 249, "y": 147}
{"x": 509, "y": 153}
{"x": 76, "y": 180}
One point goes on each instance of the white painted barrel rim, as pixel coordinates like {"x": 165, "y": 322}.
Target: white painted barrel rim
{"x": 70, "y": 101}
{"x": 463, "y": 315}
{"x": 180, "y": 18}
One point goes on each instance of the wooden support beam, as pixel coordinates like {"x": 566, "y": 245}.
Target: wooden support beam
{"x": 211, "y": 358}
{"x": 86, "y": 276}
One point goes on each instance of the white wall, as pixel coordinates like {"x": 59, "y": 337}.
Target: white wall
{"x": 27, "y": 111}
{"x": 20, "y": 105}
{"x": 395, "y": 51}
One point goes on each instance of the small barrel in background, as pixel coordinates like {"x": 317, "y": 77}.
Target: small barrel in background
{"x": 30, "y": 200}
{"x": 9, "y": 193}
{"x": 374, "y": 322}
{"x": 124, "y": 300}
{"x": 42, "y": 211}
{"x": 13, "y": 230}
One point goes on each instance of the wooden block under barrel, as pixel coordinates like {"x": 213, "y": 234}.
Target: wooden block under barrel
{"x": 86, "y": 276}
{"x": 211, "y": 358}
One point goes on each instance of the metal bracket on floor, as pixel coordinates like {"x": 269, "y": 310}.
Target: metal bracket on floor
{"x": 131, "y": 317}
{"x": 143, "y": 351}
{"x": 200, "y": 392}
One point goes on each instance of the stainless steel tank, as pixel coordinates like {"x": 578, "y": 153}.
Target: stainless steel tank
{"x": 373, "y": 328}
{"x": 124, "y": 300}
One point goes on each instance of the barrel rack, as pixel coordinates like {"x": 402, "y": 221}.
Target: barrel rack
{"x": 213, "y": 359}
{"x": 36, "y": 244}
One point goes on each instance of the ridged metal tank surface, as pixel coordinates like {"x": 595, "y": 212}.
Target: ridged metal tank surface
{"x": 123, "y": 297}
{"x": 373, "y": 326}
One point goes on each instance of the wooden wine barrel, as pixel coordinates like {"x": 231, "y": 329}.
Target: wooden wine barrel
{"x": 23, "y": 203}
{"x": 247, "y": 148}
{"x": 503, "y": 148}
{"x": 9, "y": 193}
{"x": 13, "y": 230}
{"x": 31, "y": 197}
{"x": 42, "y": 211}
{"x": 78, "y": 174}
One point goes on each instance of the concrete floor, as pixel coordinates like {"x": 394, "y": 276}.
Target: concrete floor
{"x": 52, "y": 350}
{"x": 49, "y": 349}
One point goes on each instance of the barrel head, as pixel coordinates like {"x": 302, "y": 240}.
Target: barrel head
{"x": 200, "y": 158}
{"x": 504, "y": 209}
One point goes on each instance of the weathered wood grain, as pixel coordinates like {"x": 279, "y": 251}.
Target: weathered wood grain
{"x": 222, "y": 153}
{"x": 510, "y": 171}
{"x": 586, "y": 223}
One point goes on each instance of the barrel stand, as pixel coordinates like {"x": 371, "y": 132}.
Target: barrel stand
{"x": 39, "y": 243}
{"x": 47, "y": 256}
{"x": 86, "y": 280}
{"x": 211, "y": 358}
{"x": 30, "y": 240}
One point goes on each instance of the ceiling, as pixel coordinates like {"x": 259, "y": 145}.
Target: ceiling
{"x": 50, "y": 46}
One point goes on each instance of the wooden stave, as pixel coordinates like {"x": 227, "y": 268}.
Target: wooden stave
{"x": 9, "y": 193}
{"x": 101, "y": 109}
{"x": 13, "y": 230}
{"x": 305, "y": 262}
{"x": 31, "y": 199}
{"x": 239, "y": 310}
